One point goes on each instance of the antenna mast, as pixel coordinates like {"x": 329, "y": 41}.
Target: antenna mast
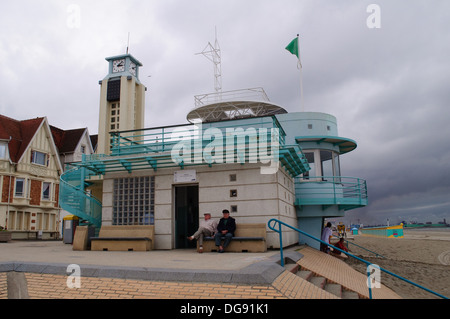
{"x": 128, "y": 43}
{"x": 212, "y": 53}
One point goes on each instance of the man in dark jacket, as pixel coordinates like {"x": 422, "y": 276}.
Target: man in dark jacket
{"x": 225, "y": 228}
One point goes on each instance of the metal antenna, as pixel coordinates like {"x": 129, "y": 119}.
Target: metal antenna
{"x": 128, "y": 43}
{"x": 212, "y": 53}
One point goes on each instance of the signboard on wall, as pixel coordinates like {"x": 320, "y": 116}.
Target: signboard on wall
{"x": 185, "y": 176}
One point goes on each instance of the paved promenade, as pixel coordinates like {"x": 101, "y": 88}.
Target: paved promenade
{"x": 49, "y": 270}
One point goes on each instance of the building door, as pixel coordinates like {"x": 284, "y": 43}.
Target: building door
{"x": 186, "y": 215}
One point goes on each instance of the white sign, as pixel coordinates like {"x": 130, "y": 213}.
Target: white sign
{"x": 185, "y": 176}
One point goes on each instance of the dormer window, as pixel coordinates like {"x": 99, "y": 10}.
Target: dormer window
{"x": 39, "y": 158}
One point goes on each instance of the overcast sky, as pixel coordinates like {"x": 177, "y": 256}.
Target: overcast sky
{"x": 389, "y": 87}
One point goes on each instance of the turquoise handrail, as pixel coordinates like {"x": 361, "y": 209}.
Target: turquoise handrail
{"x": 75, "y": 200}
{"x": 272, "y": 223}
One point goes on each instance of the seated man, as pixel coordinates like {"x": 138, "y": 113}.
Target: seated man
{"x": 225, "y": 228}
{"x": 208, "y": 228}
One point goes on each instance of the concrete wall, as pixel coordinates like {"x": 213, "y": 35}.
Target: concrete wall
{"x": 259, "y": 198}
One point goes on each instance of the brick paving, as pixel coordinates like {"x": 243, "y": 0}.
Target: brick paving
{"x": 285, "y": 286}
{"x": 3, "y": 286}
{"x": 44, "y": 286}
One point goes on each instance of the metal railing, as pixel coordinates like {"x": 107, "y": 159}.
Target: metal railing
{"x": 349, "y": 192}
{"x": 163, "y": 139}
{"x": 257, "y": 94}
{"x": 274, "y": 222}
{"x": 74, "y": 199}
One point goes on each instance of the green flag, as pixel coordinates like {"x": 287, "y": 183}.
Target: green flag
{"x": 293, "y": 47}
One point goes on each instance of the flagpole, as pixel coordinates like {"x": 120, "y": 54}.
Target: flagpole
{"x": 301, "y": 76}
{"x": 294, "y": 48}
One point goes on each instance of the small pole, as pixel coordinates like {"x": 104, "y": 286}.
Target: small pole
{"x": 128, "y": 43}
{"x": 301, "y": 75}
{"x": 281, "y": 245}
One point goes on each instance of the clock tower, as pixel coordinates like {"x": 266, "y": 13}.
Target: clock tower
{"x": 122, "y": 100}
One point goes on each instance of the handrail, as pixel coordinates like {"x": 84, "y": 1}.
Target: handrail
{"x": 85, "y": 206}
{"x": 280, "y": 223}
{"x": 169, "y": 135}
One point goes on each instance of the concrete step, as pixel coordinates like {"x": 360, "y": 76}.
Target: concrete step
{"x": 321, "y": 282}
{"x": 346, "y": 294}
{"x": 318, "y": 281}
{"x": 305, "y": 274}
{"x": 334, "y": 289}
{"x": 293, "y": 268}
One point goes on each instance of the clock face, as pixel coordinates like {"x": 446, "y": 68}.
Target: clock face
{"x": 119, "y": 65}
{"x": 133, "y": 68}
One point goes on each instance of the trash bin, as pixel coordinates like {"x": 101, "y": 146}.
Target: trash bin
{"x": 70, "y": 223}
{"x": 355, "y": 231}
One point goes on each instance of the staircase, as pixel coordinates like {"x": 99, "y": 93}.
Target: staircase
{"x": 319, "y": 281}
{"x": 74, "y": 199}
{"x": 322, "y": 283}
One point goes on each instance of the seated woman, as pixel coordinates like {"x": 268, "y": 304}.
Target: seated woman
{"x": 340, "y": 244}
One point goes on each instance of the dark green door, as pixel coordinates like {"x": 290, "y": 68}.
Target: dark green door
{"x": 186, "y": 215}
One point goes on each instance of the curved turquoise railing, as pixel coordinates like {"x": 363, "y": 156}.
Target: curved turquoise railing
{"x": 272, "y": 225}
{"x": 347, "y": 192}
{"x": 74, "y": 199}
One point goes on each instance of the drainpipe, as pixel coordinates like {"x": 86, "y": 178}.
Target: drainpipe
{"x": 9, "y": 188}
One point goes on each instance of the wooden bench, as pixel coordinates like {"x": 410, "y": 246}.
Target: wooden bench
{"x": 247, "y": 238}
{"x": 124, "y": 238}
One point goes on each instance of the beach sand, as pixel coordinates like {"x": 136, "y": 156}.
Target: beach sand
{"x": 422, "y": 256}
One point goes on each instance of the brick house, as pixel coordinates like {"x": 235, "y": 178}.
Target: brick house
{"x": 30, "y": 167}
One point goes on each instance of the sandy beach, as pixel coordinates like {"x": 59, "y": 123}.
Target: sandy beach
{"x": 422, "y": 256}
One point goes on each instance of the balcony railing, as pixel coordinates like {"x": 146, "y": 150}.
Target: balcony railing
{"x": 163, "y": 139}
{"x": 347, "y": 192}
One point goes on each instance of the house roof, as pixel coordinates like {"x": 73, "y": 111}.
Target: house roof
{"x": 19, "y": 134}
{"x": 94, "y": 141}
{"x": 67, "y": 141}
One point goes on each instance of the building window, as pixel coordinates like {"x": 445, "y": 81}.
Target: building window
{"x": 326, "y": 163}
{"x": 46, "y": 190}
{"x": 312, "y": 172}
{"x": 3, "y": 150}
{"x": 310, "y": 126}
{"x": 233, "y": 193}
{"x": 115, "y": 118}
{"x": 234, "y": 208}
{"x": 83, "y": 149}
{"x": 232, "y": 177}
{"x": 323, "y": 163}
{"x": 20, "y": 187}
{"x": 39, "y": 158}
{"x": 134, "y": 201}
